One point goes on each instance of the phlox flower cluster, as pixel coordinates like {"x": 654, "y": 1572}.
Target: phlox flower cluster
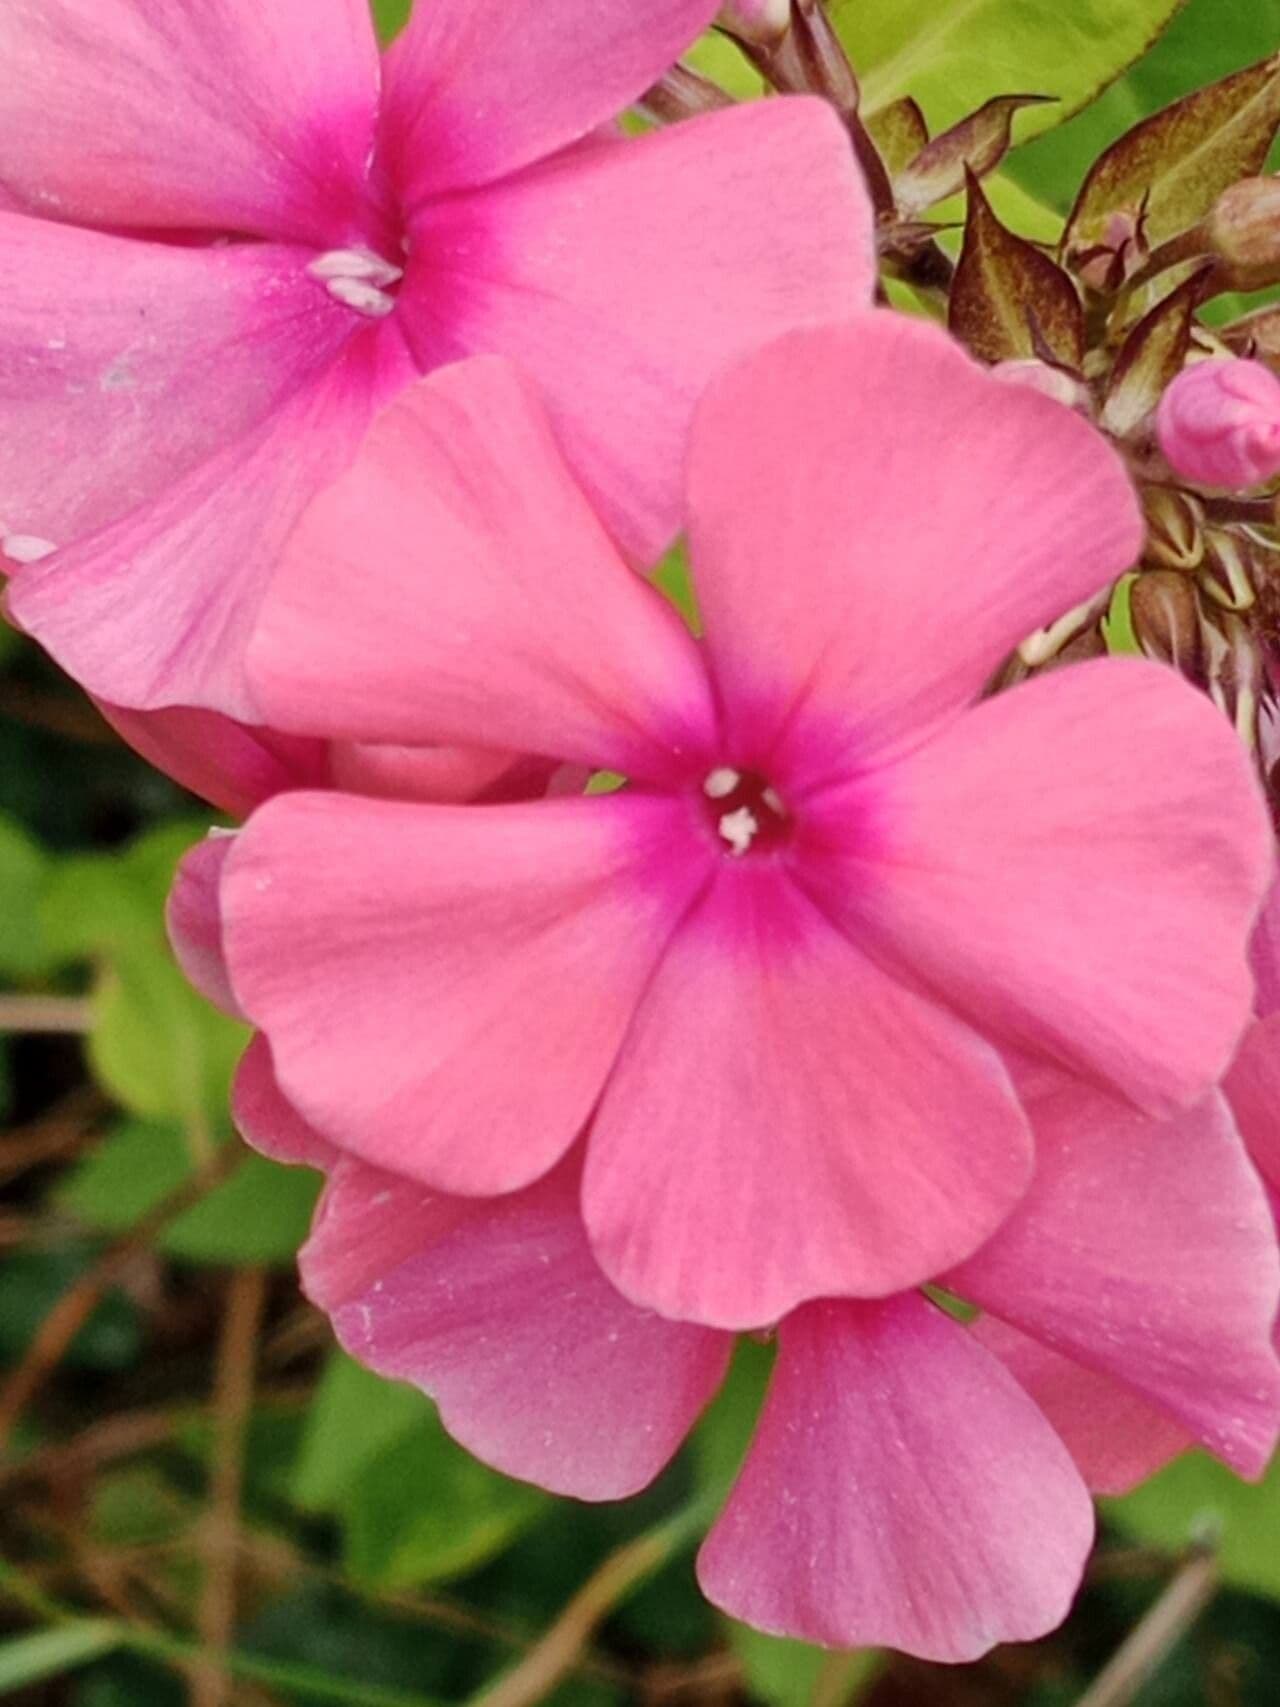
{"x": 642, "y": 981}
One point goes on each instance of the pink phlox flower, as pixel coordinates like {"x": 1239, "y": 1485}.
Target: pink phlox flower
{"x": 1218, "y": 423}
{"x": 230, "y": 233}
{"x": 780, "y": 974}
{"x": 915, "y": 1481}
{"x": 236, "y": 766}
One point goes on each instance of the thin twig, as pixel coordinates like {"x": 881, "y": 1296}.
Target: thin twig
{"x": 233, "y": 1401}
{"x": 1156, "y": 1635}
{"x": 69, "y": 1016}
{"x": 69, "y": 1122}
{"x": 557, "y": 1652}
{"x": 76, "y": 1305}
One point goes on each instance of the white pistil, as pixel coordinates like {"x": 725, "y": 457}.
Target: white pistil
{"x": 739, "y": 829}
{"x": 721, "y": 783}
{"x": 26, "y": 548}
{"x": 359, "y": 279}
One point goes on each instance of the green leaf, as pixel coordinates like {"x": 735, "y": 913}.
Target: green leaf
{"x": 1206, "y": 40}
{"x": 952, "y": 57}
{"x": 24, "y": 870}
{"x": 899, "y": 133}
{"x": 722, "y": 1436}
{"x": 1171, "y": 168}
{"x": 1198, "y": 1499}
{"x": 390, "y": 16}
{"x": 786, "y": 1674}
{"x": 260, "y": 1215}
{"x": 31, "y": 1283}
{"x": 159, "y": 1048}
{"x": 1009, "y": 301}
{"x": 25, "y": 1660}
{"x": 424, "y": 1510}
{"x": 354, "y": 1416}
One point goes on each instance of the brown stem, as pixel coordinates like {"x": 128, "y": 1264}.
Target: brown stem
{"x": 74, "y": 1308}
{"x": 233, "y": 1400}
{"x": 52, "y": 1015}
{"x": 1154, "y": 1638}
{"x": 682, "y": 94}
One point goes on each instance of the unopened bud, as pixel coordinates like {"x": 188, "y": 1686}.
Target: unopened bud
{"x": 1053, "y": 382}
{"x": 1236, "y": 674}
{"x": 1231, "y": 572}
{"x": 1244, "y": 232}
{"x": 759, "y": 21}
{"x": 1165, "y": 615}
{"x": 1175, "y": 528}
{"x": 1219, "y": 424}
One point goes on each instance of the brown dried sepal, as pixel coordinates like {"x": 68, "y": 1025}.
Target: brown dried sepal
{"x": 1174, "y": 165}
{"x": 978, "y": 143}
{"x": 1151, "y": 356}
{"x": 899, "y": 132}
{"x": 1009, "y": 300}
{"x": 1165, "y": 615}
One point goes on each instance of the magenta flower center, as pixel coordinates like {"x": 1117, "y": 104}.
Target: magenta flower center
{"x": 746, "y": 811}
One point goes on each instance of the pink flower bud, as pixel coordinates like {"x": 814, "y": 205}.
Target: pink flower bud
{"x": 1219, "y": 424}
{"x": 759, "y": 21}
{"x": 1052, "y": 382}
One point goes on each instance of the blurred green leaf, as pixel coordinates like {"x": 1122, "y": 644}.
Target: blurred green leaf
{"x": 785, "y": 1674}
{"x": 721, "y": 1438}
{"x": 1198, "y": 1499}
{"x": 24, "y": 870}
{"x": 1206, "y": 40}
{"x": 31, "y": 1283}
{"x": 424, "y": 1510}
{"x": 260, "y": 1215}
{"x": 158, "y": 1047}
{"x": 354, "y": 1416}
{"x": 25, "y": 1660}
{"x": 953, "y": 57}
{"x": 390, "y": 16}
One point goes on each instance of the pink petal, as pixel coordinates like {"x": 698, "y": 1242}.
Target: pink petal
{"x": 1145, "y": 1251}
{"x": 445, "y": 988}
{"x": 478, "y": 88}
{"x": 455, "y": 587}
{"x": 1116, "y": 1439}
{"x": 498, "y": 1311}
{"x": 194, "y": 920}
{"x": 875, "y": 522}
{"x": 1076, "y": 865}
{"x": 232, "y": 765}
{"x": 125, "y": 365}
{"x": 157, "y": 610}
{"x": 622, "y": 277}
{"x": 265, "y": 1120}
{"x": 1253, "y": 1089}
{"x": 786, "y": 1122}
{"x": 439, "y": 773}
{"x": 1264, "y": 952}
{"x": 229, "y": 115}
{"x": 902, "y": 1491}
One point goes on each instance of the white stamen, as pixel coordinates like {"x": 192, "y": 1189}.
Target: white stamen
{"x": 739, "y": 830}
{"x": 355, "y": 264}
{"x": 26, "y": 548}
{"x": 721, "y": 783}
{"x": 364, "y": 298}
{"x": 773, "y": 800}
{"x": 358, "y": 279}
